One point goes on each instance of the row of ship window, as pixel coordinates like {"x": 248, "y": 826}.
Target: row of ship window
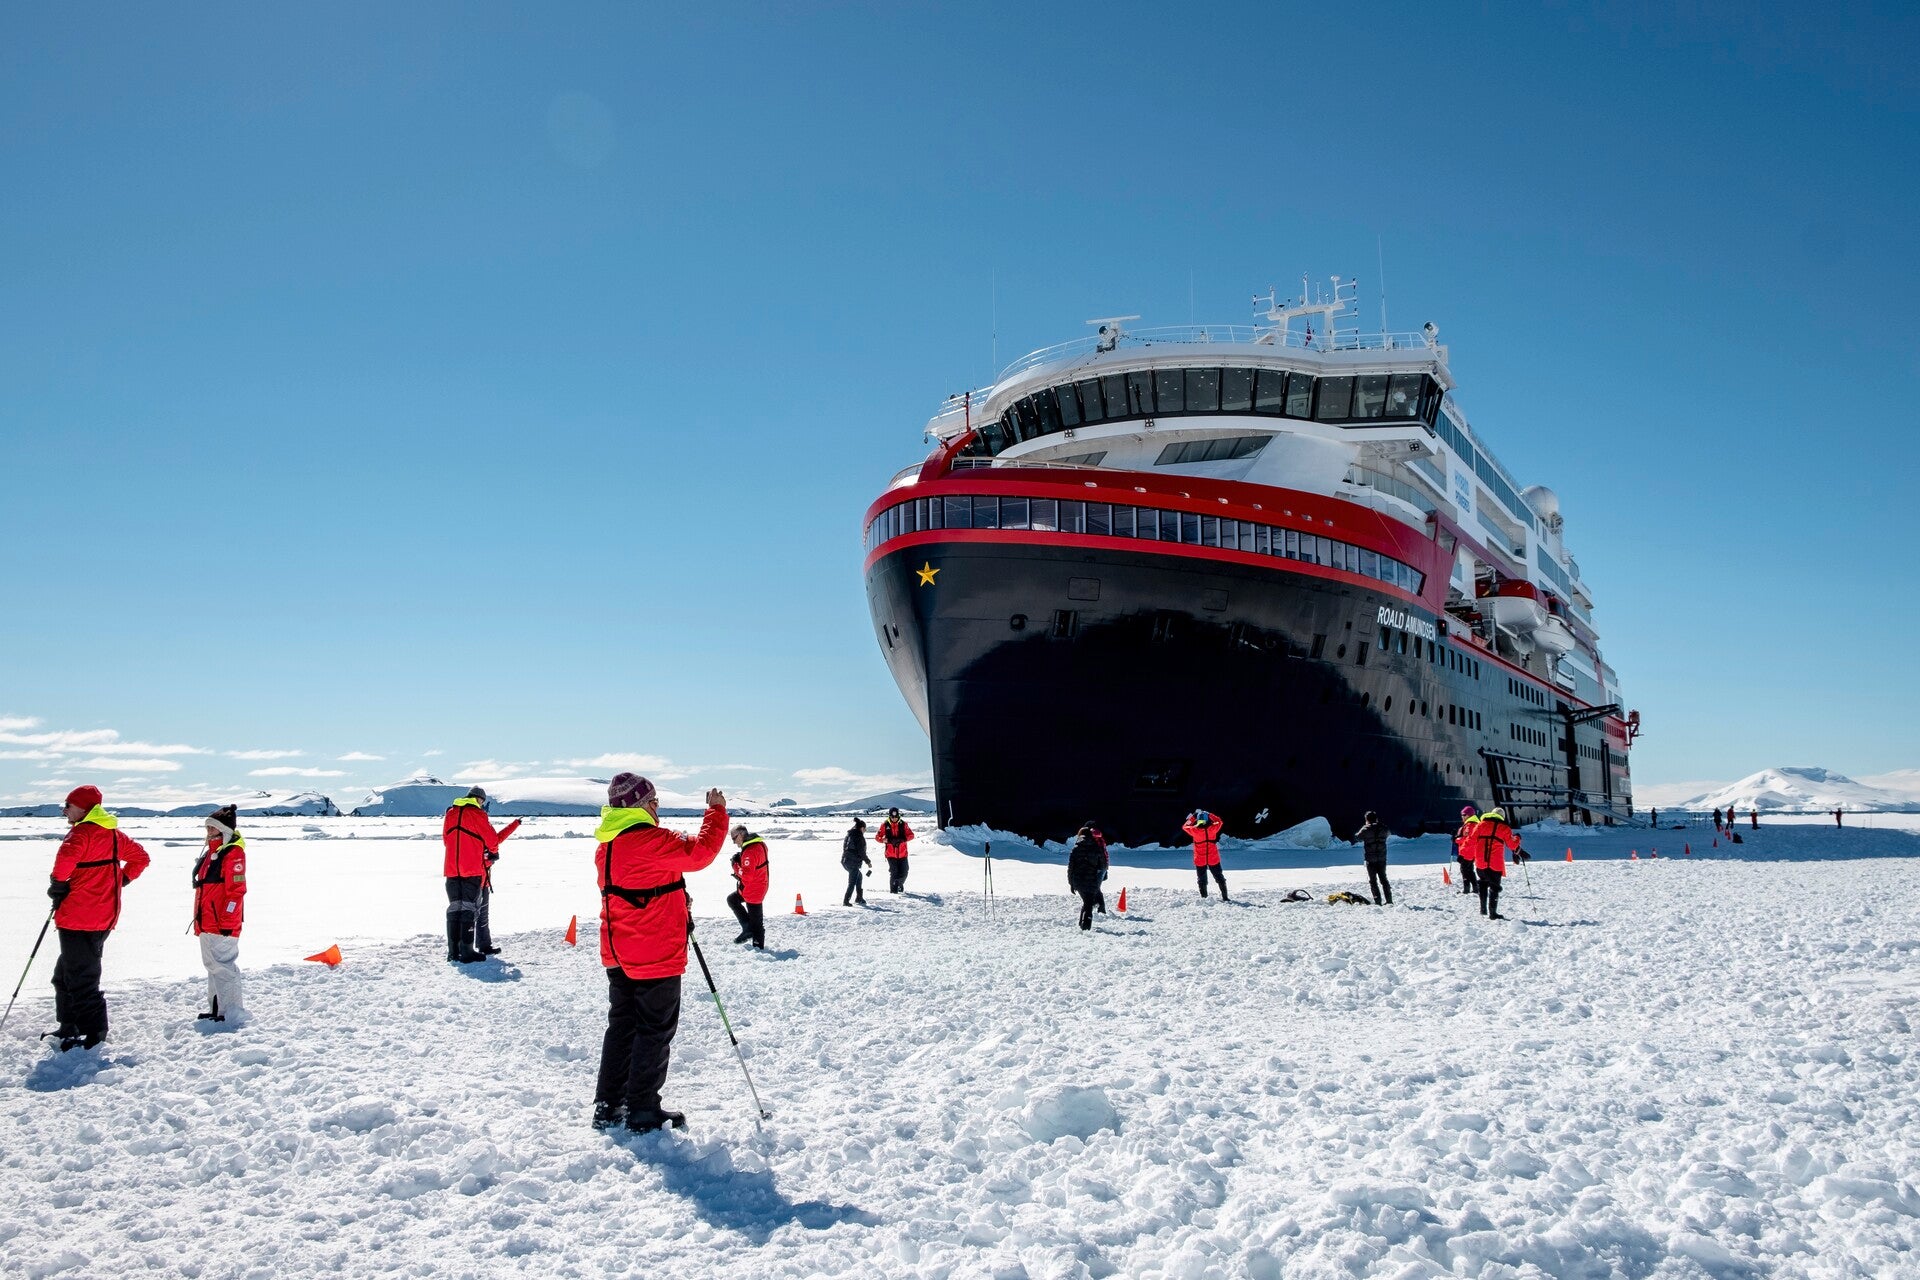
{"x": 979, "y": 511}
{"x": 1482, "y": 465}
{"x": 1364, "y": 399}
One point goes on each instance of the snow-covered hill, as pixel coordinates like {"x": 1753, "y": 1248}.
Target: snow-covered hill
{"x": 1195, "y": 1089}
{"x": 1803, "y": 790}
{"x": 252, "y": 804}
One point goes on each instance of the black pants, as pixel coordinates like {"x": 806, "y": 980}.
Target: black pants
{"x": 1377, "y": 883}
{"x": 463, "y": 914}
{"x": 1489, "y": 886}
{"x": 753, "y": 921}
{"x": 1089, "y": 899}
{"x": 856, "y": 890}
{"x": 77, "y": 1001}
{"x": 483, "y": 918}
{"x": 896, "y": 874}
{"x": 1200, "y": 874}
{"x": 1466, "y": 874}
{"x": 642, "y": 1015}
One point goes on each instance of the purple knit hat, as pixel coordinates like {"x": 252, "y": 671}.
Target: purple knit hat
{"x": 631, "y": 791}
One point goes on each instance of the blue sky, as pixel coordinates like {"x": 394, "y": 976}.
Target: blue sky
{"x": 480, "y": 385}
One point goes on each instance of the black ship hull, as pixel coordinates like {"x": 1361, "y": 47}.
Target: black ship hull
{"x": 1127, "y": 686}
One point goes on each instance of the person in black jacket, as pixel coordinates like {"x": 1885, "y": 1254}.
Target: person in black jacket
{"x": 853, "y": 855}
{"x": 1373, "y": 842}
{"x": 1086, "y": 868}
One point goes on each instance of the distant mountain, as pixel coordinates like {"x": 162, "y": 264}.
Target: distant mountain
{"x": 1803, "y": 790}
{"x": 252, "y": 804}
{"x": 426, "y": 796}
{"x": 912, "y": 800}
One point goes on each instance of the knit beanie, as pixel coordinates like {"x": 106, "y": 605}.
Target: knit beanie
{"x": 226, "y": 818}
{"x": 86, "y": 797}
{"x": 631, "y": 791}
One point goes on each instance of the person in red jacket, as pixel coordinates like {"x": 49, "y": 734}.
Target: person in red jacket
{"x": 219, "y": 905}
{"x": 644, "y": 923}
{"x": 894, "y": 834}
{"x": 1462, "y": 846}
{"x": 472, "y": 846}
{"x": 1492, "y": 840}
{"x": 750, "y": 876}
{"x": 94, "y": 864}
{"x": 1203, "y": 829}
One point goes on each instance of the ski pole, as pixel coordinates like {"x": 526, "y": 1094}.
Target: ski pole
{"x": 762, "y": 1112}
{"x": 23, "y": 973}
{"x": 986, "y": 870}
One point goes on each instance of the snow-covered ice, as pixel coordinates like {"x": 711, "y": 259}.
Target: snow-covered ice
{"x": 1683, "y": 1066}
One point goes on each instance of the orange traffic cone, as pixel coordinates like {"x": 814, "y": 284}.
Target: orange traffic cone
{"x": 330, "y": 957}
{"x": 1656, "y": 853}
{"x": 1569, "y": 855}
{"x": 1636, "y": 855}
{"x": 1446, "y": 876}
{"x": 1716, "y": 842}
{"x": 1122, "y": 904}
{"x": 1687, "y": 850}
{"x": 799, "y": 907}
{"x": 573, "y": 932}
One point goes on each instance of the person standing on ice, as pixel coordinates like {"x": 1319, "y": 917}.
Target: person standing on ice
{"x": 1462, "y": 849}
{"x": 750, "y": 876}
{"x": 894, "y": 834}
{"x": 853, "y": 855}
{"x": 219, "y": 896}
{"x": 1086, "y": 868}
{"x": 1493, "y": 839}
{"x": 1372, "y": 836}
{"x": 644, "y": 924}
{"x": 472, "y": 847}
{"x": 1716, "y": 821}
{"x": 1836, "y": 817}
{"x": 1203, "y": 829}
{"x": 1753, "y": 816}
{"x": 94, "y": 864}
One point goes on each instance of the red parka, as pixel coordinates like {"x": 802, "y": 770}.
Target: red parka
{"x": 750, "y": 869}
{"x": 1206, "y": 840}
{"x": 220, "y": 887}
{"x": 1463, "y": 839}
{"x": 470, "y": 838}
{"x": 643, "y": 893}
{"x": 96, "y": 860}
{"x": 1491, "y": 841}
{"x": 894, "y": 833}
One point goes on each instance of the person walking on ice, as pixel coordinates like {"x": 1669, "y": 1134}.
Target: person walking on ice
{"x": 750, "y": 876}
{"x": 1203, "y": 829}
{"x": 472, "y": 847}
{"x": 94, "y": 864}
{"x": 1086, "y": 868}
{"x": 645, "y": 920}
{"x": 1462, "y": 849}
{"x": 1493, "y": 839}
{"x": 1373, "y": 845}
{"x": 853, "y": 856}
{"x": 219, "y": 897}
{"x": 894, "y": 834}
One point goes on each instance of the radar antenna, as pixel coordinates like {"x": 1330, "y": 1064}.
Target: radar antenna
{"x": 1327, "y": 308}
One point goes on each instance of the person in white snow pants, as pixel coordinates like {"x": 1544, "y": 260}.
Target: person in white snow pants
{"x": 219, "y": 897}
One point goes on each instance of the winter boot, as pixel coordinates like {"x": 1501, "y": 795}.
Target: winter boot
{"x": 745, "y": 935}
{"x": 608, "y": 1115}
{"x": 648, "y": 1121}
{"x": 453, "y": 939}
{"x": 463, "y": 943}
{"x": 211, "y": 1015}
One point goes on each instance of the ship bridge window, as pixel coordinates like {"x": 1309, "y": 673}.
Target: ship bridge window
{"x": 1223, "y": 449}
{"x": 1069, "y": 401}
{"x": 1334, "y": 400}
{"x": 1170, "y": 390}
{"x": 1236, "y": 390}
{"x": 1140, "y": 393}
{"x": 1091, "y": 407}
{"x": 1370, "y": 395}
{"x": 1403, "y": 395}
{"x": 1270, "y": 394}
{"x": 1203, "y": 391}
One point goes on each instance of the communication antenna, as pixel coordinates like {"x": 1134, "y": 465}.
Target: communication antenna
{"x": 1380, "y": 254}
{"x": 993, "y": 356}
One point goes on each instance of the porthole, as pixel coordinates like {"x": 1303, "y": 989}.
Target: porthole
{"x": 1388, "y": 704}
{"x": 1017, "y": 622}
{"x": 1340, "y": 652}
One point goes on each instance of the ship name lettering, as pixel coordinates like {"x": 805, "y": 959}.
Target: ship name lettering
{"x": 1401, "y": 620}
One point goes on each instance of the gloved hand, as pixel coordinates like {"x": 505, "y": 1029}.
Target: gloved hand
{"x": 492, "y": 858}
{"x": 58, "y": 891}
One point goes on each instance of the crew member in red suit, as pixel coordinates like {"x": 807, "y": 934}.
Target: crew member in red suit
{"x": 894, "y": 834}
{"x": 219, "y": 905}
{"x": 1203, "y": 829}
{"x": 94, "y": 864}
{"x": 644, "y": 923}
{"x": 749, "y": 894}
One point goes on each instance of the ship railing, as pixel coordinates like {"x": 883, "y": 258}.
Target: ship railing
{"x": 1004, "y": 464}
{"x": 1368, "y": 478}
{"x": 1228, "y": 334}
{"x": 905, "y": 476}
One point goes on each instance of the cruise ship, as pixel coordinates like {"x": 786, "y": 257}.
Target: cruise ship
{"x": 1272, "y": 571}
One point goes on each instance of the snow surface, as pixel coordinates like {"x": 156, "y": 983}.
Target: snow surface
{"x": 1797, "y": 789}
{"x": 1683, "y": 1066}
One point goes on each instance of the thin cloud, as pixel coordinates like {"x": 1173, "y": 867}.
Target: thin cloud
{"x": 435, "y": 752}
{"x": 846, "y": 779}
{"x": 657, "y": 767}
{"x": 128, "y": 764}
{"x": 97, "y": 742}
{"x": 293, "y": 771}
{"x": 359, "y": 755}
{"x": 14, "y": 724}
{"x": 36, "y": 753}
{"x": 263, "y": 754}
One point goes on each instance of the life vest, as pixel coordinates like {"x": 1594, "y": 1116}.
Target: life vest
{"x": 220, "y": 887}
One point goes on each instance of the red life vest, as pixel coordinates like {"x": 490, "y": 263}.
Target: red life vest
{"x": 894, "y": 833}
{"x": 469, "y": 837}
{"x": 220, "y": 887}
{"x": 750, "y": 869}
{"x": 641, "y": 870}
{"x": 97, "y": 861}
